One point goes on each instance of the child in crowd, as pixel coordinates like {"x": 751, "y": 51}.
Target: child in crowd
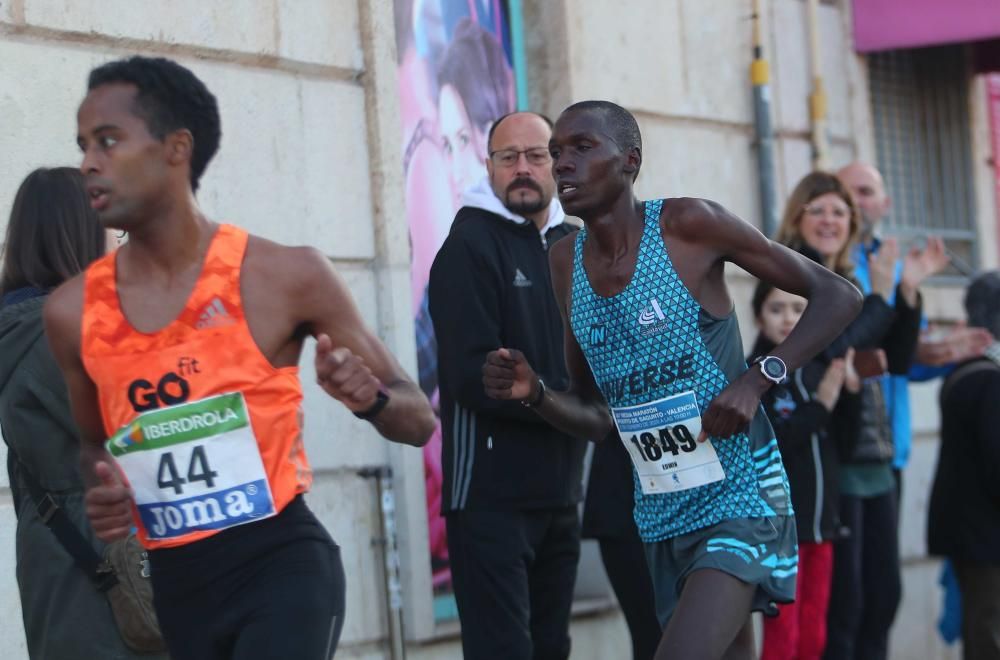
{"x": 815, "y": 406}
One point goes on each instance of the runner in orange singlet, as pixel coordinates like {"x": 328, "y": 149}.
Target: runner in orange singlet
{"x": 180, "y": 351}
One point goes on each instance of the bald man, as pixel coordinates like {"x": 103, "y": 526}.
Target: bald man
{"x": 512, "y": 481}
{"x": 934, "y": 356}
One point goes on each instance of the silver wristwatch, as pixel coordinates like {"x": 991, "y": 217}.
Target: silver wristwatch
{"x": 773, "y": 368}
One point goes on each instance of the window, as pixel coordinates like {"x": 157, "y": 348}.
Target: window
{"x": 920, "y": 108}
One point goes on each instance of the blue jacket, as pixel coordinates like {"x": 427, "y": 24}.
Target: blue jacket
{"x": 895, "y": 387}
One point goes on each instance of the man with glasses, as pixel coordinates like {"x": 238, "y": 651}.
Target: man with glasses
{"x": 512, "y": 482}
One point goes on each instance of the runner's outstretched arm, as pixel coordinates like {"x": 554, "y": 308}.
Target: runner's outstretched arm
{"x": 581, "y": 410}
{"x": 352, "y": 364}
{"x": 833, "y": 302}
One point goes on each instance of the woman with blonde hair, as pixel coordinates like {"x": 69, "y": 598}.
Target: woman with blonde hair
{"x": 822, "y": 220}
{"x": 822, "y": 215}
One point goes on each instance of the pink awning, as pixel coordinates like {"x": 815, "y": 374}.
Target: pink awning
{"x": 891, "y": 24}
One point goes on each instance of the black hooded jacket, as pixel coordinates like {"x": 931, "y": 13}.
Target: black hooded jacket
{"x": 489, "y": 288}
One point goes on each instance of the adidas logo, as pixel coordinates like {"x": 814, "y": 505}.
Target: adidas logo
{"x": 214, "y": 316}
{"x": 520, "y": 279}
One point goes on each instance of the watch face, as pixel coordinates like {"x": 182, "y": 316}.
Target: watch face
{"x": 774, "y": 368}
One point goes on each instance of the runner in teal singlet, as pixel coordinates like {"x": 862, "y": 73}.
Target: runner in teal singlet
{"x": 651, "y": 333}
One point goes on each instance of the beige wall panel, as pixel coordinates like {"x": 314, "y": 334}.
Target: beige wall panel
{"x": 794, "y": 161}
{"x": 835, "y": 52}
{"x": 334, "y": 437}
{"x": 695, "y": 57}
{"x": 636, "y": 63}
{"x": 7, "y": 13}
{"x": 944, "y": 302}
{"x": 791, "y": 68}
{"x": 245, "y": 27}
{"x": 685, "y": 159}
{"x": 841, "y": 154}
{"x": 4, "y": 477}
{"x": 716, "y": 38}
{"x": 789, "y": 52}
{"x": 39, "y": 113}
{"x": 320, "y": 31}
{"x": 985, "y": 165}
{"x": 346, "y": 505}
{"x": 917, "y": 481}
{"x": 287, "y": 167}
{"x": 293, "y": 161}
{"x": 11, "y": 625}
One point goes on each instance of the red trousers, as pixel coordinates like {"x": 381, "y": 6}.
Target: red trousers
{"x": 799, "y": 630}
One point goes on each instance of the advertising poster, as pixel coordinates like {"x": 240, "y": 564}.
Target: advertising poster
{"x": 455, "y": 79}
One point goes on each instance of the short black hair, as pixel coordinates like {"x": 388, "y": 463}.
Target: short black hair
{"x": 982, "y": 302}
{"x": 493, "y": 128}
{"x": 621, "y": 125}
{"x": 169, "y": 98}
{"x": 53, "y": 234}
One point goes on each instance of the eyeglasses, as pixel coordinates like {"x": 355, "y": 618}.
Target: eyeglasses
{"x": 509, "y": 157}
{"x": 818, "y": 210}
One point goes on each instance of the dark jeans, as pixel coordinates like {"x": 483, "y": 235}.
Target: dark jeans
{"x": 980, "y": 585}
{"x": 513, "y": 574}
{"x": 866, "y": 579}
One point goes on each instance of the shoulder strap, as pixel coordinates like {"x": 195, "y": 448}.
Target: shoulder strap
{"x": 963, "y": 371}
{"x": 54, "y": 517}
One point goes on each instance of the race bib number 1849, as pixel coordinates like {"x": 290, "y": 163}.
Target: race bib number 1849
{"x": 662, "y": 440}
{"x": 194, "y": 466}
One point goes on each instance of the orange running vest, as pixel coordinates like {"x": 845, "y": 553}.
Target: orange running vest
{"x": 189, "y": 408}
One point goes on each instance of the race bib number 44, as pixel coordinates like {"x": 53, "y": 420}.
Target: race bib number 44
{"x": 662, "y": 440}
{"x": 194, "y": 467}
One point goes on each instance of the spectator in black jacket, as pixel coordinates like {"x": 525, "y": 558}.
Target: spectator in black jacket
{"x": 815, "y": 408}
{"x": 964, "y": 513}
{"x": 512, "y": 482}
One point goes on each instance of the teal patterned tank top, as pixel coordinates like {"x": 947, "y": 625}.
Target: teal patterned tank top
{"x": 653, "y": 341}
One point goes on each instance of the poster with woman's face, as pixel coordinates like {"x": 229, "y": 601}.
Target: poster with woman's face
{"x": 455, "y": 80}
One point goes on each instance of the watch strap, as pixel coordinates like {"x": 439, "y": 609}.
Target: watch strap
{"x": 381, "y": 401}
{"x": 537, "y": 401}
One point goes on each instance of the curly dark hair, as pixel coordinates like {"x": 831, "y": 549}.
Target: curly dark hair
{"x": 169, "y": 98}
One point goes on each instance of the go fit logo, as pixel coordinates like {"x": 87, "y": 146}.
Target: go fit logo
{"x": 171, "y": 389}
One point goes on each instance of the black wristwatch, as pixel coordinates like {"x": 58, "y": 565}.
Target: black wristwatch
{"x": 773, "y": 368}
{"x": 538, "y": 399}
{"x": 381, "y": 400}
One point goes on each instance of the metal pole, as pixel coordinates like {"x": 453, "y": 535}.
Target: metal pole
{"x": 817, "y": 100}
{"x": 390, "y": 556}
{"x": 760, "y": 77}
